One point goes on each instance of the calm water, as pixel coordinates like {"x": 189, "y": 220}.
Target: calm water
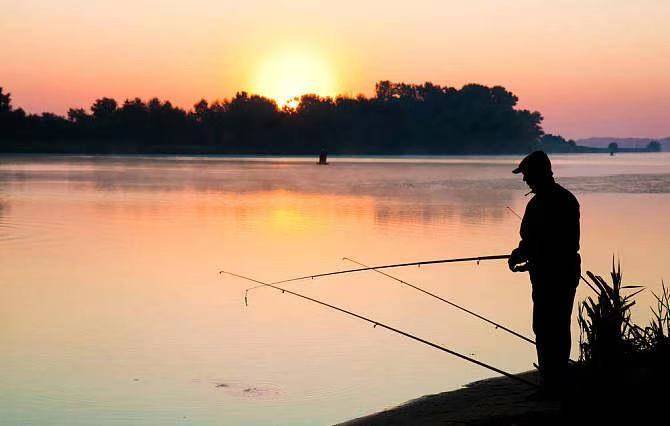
{"x": 112, "y": 310}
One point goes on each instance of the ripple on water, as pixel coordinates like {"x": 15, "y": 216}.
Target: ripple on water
{"x": 259, "y": 390}
{"x": 31, "y": 233}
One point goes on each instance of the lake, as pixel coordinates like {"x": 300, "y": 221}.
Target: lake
{"x": 112, "y": 310}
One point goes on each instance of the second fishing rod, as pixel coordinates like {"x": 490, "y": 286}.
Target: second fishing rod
{"x": 448, "y": 302}
{"x": 396, "y": 265}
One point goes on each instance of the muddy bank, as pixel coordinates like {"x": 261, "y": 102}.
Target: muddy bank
{"x": 493, "y": 401}
{"x": 631, "y": 393}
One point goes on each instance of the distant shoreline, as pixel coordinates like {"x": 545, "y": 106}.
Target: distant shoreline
{"x": 197, "y": 151}
{"x": 310, "y": 157}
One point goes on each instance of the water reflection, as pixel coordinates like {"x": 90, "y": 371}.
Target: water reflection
{"x": 109, "y": 274}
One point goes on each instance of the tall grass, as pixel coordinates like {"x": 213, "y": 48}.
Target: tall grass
{"x": 657, "y": 333}
{"x": 607, "y": 333}
{"x": 623, "y": 370}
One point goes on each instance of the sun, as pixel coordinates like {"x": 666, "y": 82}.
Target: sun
{"x": 288, "y": 74}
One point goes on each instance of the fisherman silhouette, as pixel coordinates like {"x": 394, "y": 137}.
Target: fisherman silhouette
{"x": 549, "y": 251}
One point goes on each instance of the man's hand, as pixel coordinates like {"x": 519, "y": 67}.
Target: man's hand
{"x": 522, "y": 267}
{"x": 517, "y": 262}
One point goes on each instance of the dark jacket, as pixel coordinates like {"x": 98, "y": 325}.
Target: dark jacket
{"x": 550, "y": 233}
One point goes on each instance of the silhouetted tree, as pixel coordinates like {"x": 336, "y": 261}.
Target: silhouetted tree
{"x": 13, "y": 122}
{"x": 554, "y": 143}
{"x": 613, "y": 147}
{"x": 78, "y": 116}
{"x": 104, "y": 108}
{"x": 654, "y": 146}
{"x": 399, "y": 118}
{"x": 5, "y": 102}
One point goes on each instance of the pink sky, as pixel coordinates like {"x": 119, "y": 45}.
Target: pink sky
{"x": 593, "y": 68}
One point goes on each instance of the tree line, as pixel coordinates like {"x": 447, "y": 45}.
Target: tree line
{"x": 399, "y": 118}
{"x": 652, "y": 146}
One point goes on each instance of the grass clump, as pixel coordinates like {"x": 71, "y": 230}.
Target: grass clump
{"x": 606, "y": 332}
{"x": 620, "y": 361}
{"x": 657, "y": 333}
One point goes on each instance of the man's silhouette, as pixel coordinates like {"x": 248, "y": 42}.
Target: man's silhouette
{"x": 549, "y": 252}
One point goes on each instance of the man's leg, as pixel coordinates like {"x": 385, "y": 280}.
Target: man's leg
{"x": 558, "y": 339}
{"x": 540, "y": 330}
{"x": 565, "y": 342}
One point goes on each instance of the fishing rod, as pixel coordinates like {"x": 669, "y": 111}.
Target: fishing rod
{"x": 388, "y": 327}
{"x": 476, "y": 315}
{"x": 514, "y": 333}
{"x": 395, "y": 265}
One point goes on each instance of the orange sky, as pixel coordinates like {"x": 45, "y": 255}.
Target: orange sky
{"x": 591, "y": 67}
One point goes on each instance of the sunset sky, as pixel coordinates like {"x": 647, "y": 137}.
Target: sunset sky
{"x": 593, "y": 68}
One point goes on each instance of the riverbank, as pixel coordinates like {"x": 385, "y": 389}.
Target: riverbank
{"x": 632, "y": 393}
{"x": 499, "y": 400}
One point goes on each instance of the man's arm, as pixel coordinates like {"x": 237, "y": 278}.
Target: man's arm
{"x": 518, "y": 260}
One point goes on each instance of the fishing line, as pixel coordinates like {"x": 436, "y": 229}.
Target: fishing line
{"x": 513, "y": 212}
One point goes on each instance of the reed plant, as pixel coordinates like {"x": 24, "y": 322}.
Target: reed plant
{"x": 657, "y": 333}
{"x": 619, "y": 360}
{"x": 607, "y": 333}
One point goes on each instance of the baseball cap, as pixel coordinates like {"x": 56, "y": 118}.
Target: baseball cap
{"x": 537, "y": 162}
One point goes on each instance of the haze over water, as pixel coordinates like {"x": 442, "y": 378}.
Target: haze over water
{"x": 113, "y": 311}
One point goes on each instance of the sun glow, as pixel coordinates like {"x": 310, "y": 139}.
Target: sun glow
{"x": 287, "y": 75}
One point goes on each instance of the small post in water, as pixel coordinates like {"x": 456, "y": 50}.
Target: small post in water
{"x": 323, "y": 158}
